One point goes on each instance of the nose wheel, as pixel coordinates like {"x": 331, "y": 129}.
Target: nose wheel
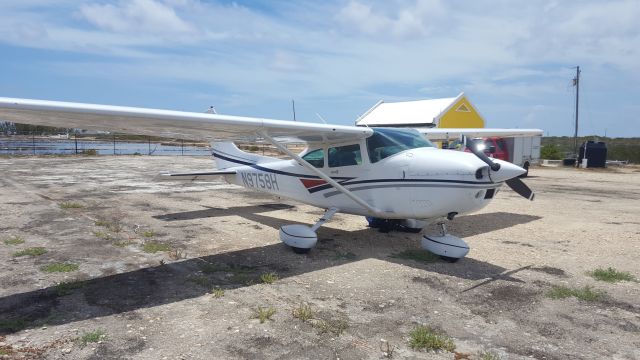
{"x": 450, "y": 248}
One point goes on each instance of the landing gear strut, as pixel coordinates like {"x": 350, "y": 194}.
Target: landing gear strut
{"x": 450, "y": 248}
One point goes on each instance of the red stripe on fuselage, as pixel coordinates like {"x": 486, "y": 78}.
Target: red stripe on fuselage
{"x": 309, "y": 183}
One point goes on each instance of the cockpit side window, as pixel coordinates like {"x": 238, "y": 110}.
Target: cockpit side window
{"x": 315, "y": 158}
{"x": 345, "y": 155}
{"x": 386, "y": 142}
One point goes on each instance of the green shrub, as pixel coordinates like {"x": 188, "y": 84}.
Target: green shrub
{"x": 610, "y": 275}
{"x": 59, "y": 267}
{"x": 269, "y": 278}
{"x": 263, "y": 314}
{"x": 550, "y": 152}
{"x": 425, "y": 338}
{"x": 92, "y": 337}
{"x": 14, "y": 240}
{"x": 153, "y": 247}
{"x": 34, "y": 251}
{"x": 586, "y": 293}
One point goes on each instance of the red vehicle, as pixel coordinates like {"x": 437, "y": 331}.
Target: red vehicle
{"x": 520, "y": 151}
{"x": 495, "y": 147}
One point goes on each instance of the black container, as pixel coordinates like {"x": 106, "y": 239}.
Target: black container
{"x": 596, "y": 154}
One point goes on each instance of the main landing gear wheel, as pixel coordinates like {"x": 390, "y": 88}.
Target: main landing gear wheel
{"x": 302, "y": 238}
{"x": 449, "y": 259}
{"x": 450, "y": 248}
{"x": 299, "y": 250}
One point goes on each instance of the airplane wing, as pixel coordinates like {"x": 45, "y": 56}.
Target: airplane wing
{"x": 168, "y": 123}
{"x": 452, "y": 134}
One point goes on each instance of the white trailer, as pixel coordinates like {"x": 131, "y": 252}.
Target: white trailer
{"x": 524, "y": 151}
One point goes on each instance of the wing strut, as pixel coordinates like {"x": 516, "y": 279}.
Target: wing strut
{"x": 324, "y": 177}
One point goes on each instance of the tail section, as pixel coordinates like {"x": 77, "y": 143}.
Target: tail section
{"x": 228, "y": 155}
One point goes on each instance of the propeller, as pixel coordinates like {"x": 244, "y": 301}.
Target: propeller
{"x": 514, "y": 183}
{"x": 521, "y": 188}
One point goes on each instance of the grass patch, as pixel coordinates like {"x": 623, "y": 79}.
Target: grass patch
{"x": 263, "y": 314}
{"x": 610, "y": 275}
{"x": 586, "y": 293}
{"x": 344, "y": 256}
{"x": 66, "y": 288}
{"x": 153, "y": 247}
{"x": 14, "y": 240}
{"x": 218, "y": 293}
{"x": 112, "y": 226}
{"x": 59, "y": 267}
{"x": 269, "y": 278}
{"x": 417, "y": 255}
{"x": 92, "y": 337}
{"x": 102, "y": 235}
{"x": 200, "y": 280}
{"x": 122, "y": 243}
{"x": 70, "y": 205}
{"x": 425, "y": 338}
{"x": 14, "y": 324}
{"x": 486, "y": 355}
{"x": 33, "y": 251}
{"x": 303, "y": 312}
{"x": 148, "y": 234}
{"x": 332, "y": 326}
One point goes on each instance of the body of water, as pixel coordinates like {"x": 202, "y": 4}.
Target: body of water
{"x": 22, "y": 146}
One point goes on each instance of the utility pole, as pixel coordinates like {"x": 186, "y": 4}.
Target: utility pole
{"x": 293, "y": 105}
{"x": 576, "y": 83}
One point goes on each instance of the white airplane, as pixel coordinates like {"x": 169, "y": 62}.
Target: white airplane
{"x": 384, "y": 173}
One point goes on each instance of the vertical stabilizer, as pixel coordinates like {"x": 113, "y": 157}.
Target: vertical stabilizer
{"x": 228, "y": 155}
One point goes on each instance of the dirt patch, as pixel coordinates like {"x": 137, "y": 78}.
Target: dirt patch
{"x": 156, "y": 305}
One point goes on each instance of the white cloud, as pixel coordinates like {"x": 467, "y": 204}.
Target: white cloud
{"x": 409, "y": 21}
{"x": 357, "y": 50}
{"x": 134, "y": 16}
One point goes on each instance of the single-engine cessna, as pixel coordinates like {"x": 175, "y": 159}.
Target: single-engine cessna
{"x": 384, "y": 173}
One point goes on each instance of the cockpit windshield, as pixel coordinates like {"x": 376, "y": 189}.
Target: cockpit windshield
{"x": 386, "y": 142}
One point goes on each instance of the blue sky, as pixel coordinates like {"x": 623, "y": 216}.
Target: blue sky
{"x": 514, "y": 59}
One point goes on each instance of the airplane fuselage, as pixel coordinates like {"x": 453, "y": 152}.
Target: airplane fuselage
{"x": 420, "y": 183}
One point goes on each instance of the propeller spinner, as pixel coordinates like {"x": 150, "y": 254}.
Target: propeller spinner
{"x": 506, "y": 172}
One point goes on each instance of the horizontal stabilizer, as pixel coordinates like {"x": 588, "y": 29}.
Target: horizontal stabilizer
{"x": 203, "y": 175}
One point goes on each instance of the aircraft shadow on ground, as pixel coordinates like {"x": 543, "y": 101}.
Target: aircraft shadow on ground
{"x": 183, "y": 280}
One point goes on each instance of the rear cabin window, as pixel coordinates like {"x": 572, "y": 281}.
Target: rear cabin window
{"x": 345, "y": 155}
{"x": 386, "y": 142}
{"x": 315, "y": 158}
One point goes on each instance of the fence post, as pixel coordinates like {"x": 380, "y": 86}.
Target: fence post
{"x": 114, "y": 144}
{"x": 33, "y": 142}
{"x": 75, "y": 137}
{"x": 182, "y": 146}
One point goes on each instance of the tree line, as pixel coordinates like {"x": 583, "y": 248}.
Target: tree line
{"x": 8, "y": 128}
{"x": 559, "y": 147}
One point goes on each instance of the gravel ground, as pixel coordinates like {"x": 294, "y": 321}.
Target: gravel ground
{"x": 125, "y": 301}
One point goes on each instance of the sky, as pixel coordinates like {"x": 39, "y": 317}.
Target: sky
{"x": 514, "y": 59}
